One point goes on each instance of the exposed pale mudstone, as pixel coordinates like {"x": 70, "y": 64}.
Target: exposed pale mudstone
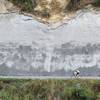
{"x": 28, "y": 47}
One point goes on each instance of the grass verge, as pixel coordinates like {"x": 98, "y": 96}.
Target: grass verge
{"x": 76, "y": 89}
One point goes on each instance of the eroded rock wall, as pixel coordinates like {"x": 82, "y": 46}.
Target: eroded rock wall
{"x": 28, "y": 47}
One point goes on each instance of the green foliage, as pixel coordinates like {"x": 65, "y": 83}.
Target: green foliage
{"x": 73, "y": 5}
{"x": 97, "y": 3}
{"x": 82, "y": 94}
{"x": 25, "y": 5}
{"x": 98, "y": 96}
{"x": 13, "y": 89}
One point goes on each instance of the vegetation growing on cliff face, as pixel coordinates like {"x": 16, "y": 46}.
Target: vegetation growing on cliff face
{"x": 52, "y": 8}
{"x": 24, "y": 5}
{"x": 42, "y": 8}
{"x": 97, "y": 3}
{"x": 73, "y": 5}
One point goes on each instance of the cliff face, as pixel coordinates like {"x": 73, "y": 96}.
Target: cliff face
{"x": 28, "y": 47}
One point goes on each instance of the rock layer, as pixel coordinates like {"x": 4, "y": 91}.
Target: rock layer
{"x": 28, "y": 47}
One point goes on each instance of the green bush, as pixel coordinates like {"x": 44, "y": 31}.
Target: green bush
{"x": 12, "y": 89}
{"x": 73, "y": 5}
{"x": 98, "y": 96}
{"x": 25, "y": 5}
{"x": 97, "y": 3}
{"x": 82, "y": 94}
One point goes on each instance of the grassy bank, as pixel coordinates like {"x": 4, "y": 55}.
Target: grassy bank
{"x": 14, "y": 89}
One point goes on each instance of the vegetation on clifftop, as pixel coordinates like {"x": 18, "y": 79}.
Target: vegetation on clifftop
{"x": 53, "y": 9}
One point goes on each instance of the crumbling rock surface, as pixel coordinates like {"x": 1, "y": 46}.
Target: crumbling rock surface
{"x": 28, "y": 47}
